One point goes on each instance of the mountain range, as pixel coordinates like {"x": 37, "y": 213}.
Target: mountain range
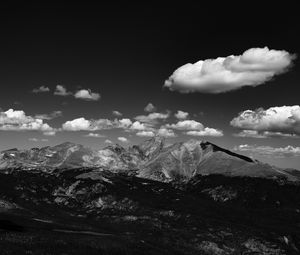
{"x": 190, "y": 197}
{"x": 152, "y": 159}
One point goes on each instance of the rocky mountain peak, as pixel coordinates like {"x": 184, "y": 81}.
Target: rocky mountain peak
{"x": 152, "y": 146}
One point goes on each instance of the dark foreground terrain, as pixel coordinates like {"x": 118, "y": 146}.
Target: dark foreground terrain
{"x": 87, "y": 211}
{"x": 185, "y": 198}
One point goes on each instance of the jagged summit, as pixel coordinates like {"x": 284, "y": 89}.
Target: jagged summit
{"x": 152, "y": 146}
{"x": 151, "y": 159}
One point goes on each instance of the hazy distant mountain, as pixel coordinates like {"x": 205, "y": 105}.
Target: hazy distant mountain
{"x": 152, "y": 159}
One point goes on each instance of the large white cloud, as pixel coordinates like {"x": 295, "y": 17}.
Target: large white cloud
{"x": 269, "y": 151}
{"x": 284, "y": 120}
{"x": 87, "y": 94}
{"x": 12, "y": 120}
{"x": 254, "y": 67}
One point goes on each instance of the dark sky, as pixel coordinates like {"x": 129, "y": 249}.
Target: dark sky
{"x": 126, "y": 52}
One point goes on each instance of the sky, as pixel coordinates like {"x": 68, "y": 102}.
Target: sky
{"x": 121, "y": 73}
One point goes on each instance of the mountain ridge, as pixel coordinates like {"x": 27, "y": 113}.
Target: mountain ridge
{"x": 151, "y": 159}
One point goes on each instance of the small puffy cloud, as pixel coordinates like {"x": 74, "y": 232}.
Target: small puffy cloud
{"x": 117, "y": 113}
{"x": 38, "y": 140}
{"x": 139, "y": 126}
{"x": 50, "y": 133}
{"x": 123, "y": 123}
{"x": 41, "y": 89}
{"x": 254, "y": 67}
{"x": 77, "y": 125}
{"x": 95, "y": 135}
{"x": 150, "y": 108}
{"x": 195, "y": 128}
{"x": 181, "y": 115}
{"x": 84, "y": 94}
{"x": 87, "y": 94}
{"x": 283, "y": 120}
{"x": 145, "y": 133}
{"x": 165, "y": 132}
{"x": 61, "y": 90}
{"x": 268, "y": 151}
{"x": 101, "y": 124}
{"x": 49, "y": 116}
{"x": 206, "y": 132}
{"x": 152, "y": 118}
{"x": 108, "y": 141}
{"x": 13, "y": 120}
{"x": 186, "y": 125}
{"x": 123, "y": 139}
{"x": 82, "y": 124}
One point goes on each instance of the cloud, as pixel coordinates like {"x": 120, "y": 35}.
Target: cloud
{"x": 139, "y": 126}
{"x": 195, "y": 128}
{"x": 87, "y": 94}
{"x": 61, "y": 90}
{"x": 50, "y": 133}
{"x": 82, "y": 124}
{"x": 145, "y": 133}
{"x": 181, "y": 115}
{"x": 186, "y": 125}
{"x": 250, "y": 133}
{"x": 166, "y": 132}
{"x": 123, "y": 139}
{"x": 264, "y": 134}
{"x": 78, "y": 124}
{"x": 123, "y": 123}
{"x": 152, "y": 118}
{"x": 150, "y": 108}
{"x": 101, "y": 124}
{"x": 254, "y": 67}
{"x": 206, "y": 132}
{"x": 284, "y": 120}
{"x": 95, "y": 135}
{"x": 50, "y": 116}
{"x": 108, "y": 141}
{"x": 117, "y": 113}
{"x": 38, "y": 140}
{"x": 12, "y": 120}
{"x": 268, "y": 151}
{"x": 41, "y": 89}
